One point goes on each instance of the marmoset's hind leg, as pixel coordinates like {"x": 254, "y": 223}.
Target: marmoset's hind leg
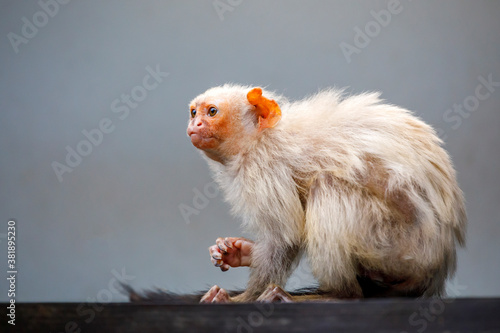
{"x": 364, "y": 244}
{"x": 332, "y": 205}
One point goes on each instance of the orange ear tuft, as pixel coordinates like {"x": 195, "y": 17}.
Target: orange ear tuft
{"x": 268, "y": 110}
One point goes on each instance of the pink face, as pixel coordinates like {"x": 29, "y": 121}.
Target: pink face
{"x": 201, "y": 126}
{"x": 211, "y": 125}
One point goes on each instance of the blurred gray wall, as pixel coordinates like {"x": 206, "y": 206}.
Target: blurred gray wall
{"x": 67, "y": 70}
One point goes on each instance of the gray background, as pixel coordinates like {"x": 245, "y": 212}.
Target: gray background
{"x": 119, "y": 209}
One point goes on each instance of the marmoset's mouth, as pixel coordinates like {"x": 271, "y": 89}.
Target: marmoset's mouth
{"x": 201, "y": 142}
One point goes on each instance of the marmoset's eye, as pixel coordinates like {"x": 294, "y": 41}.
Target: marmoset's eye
{"x": 212, "y": 111}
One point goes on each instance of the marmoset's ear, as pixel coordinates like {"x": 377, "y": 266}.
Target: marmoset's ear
{"x": 267, "y": 110}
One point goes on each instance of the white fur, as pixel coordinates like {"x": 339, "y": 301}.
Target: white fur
{"x": 327, "y": 151}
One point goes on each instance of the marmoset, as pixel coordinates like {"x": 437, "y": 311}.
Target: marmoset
{"x": 364, "y": 189}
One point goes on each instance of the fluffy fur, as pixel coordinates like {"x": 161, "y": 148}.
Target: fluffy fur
{"x": 363, "y": 188}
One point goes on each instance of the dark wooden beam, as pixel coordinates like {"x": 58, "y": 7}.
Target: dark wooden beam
{"x": 377, "y": 315}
